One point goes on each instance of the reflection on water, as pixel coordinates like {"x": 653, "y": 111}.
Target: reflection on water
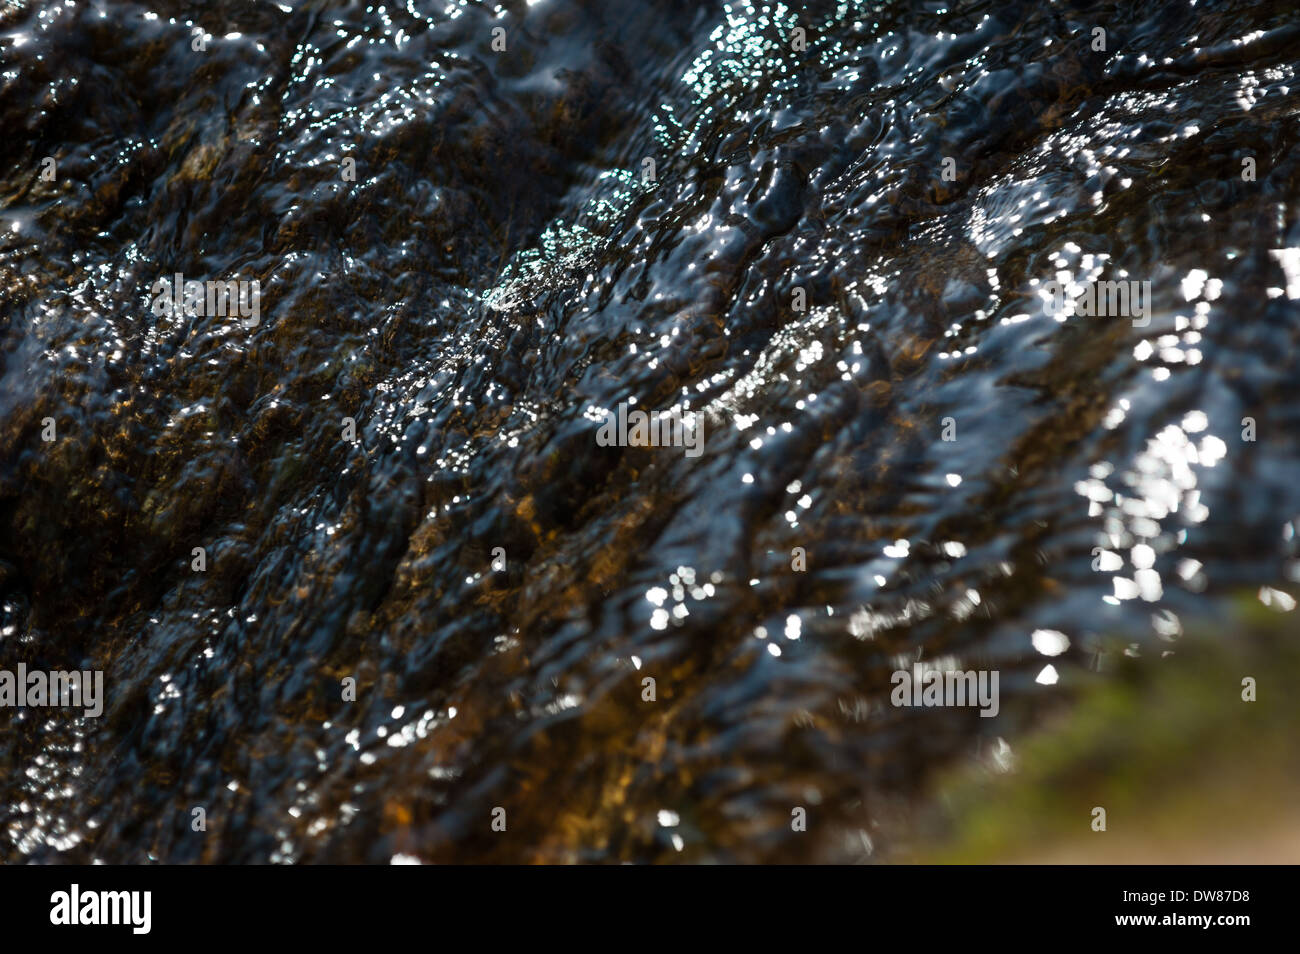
{"x": 907, "y": 456}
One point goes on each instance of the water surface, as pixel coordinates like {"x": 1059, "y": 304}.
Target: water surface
{"x": 500, "y": 273}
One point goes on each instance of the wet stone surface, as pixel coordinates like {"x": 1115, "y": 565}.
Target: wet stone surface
{"x": 803, "y": 273}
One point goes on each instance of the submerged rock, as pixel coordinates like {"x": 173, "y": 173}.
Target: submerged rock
{"x": 361, "y": 576}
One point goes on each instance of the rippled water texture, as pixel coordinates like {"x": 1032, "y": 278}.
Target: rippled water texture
{"x": 503, "y": 270}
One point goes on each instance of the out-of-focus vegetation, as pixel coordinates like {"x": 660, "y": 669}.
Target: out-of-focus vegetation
{"x": 1186, "y": 769}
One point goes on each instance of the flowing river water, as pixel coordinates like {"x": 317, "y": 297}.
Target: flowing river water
{"x": 820, "y": 231}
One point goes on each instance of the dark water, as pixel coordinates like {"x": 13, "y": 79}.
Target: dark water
{"x": 497, "y": 273}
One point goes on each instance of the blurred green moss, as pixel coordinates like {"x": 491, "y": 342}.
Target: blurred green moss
{"x": 1185, "y": 768}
